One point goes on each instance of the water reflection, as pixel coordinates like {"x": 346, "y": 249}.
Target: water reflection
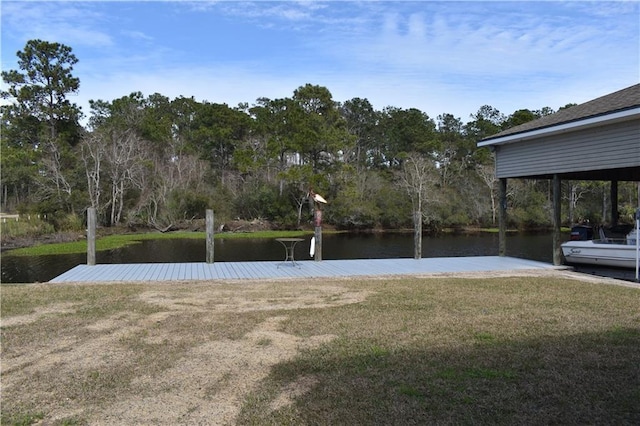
{"x": 336, "y": 246}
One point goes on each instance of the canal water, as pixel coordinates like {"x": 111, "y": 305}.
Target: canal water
{"x": 31, "y": 269}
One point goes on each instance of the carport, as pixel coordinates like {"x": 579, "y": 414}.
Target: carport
{"x": 596, "y": 140}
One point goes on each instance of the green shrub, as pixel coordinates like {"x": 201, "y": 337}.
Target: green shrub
{"x": 264, "y": 201}
{"x": 188, "y": 205}
{"x": 70, "y": 222}
{"x": 25, "y": 226}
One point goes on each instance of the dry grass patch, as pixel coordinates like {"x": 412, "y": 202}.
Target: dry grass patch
{"x": 402, "y": 351}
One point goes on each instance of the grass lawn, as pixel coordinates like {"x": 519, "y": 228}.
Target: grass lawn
{"x": 507, "y": 350}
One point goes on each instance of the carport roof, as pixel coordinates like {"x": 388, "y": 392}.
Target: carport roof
{"x": 617, "y": 107}
{"x": 620, "y": 105}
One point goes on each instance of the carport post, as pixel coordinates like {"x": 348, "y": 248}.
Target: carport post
{"x": 557, "y": 192}
{"x": 614, "y": 203}
{"x": 502, "y": 217}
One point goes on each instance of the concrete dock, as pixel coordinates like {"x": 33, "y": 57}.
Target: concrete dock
{"x": 136, "y": 272}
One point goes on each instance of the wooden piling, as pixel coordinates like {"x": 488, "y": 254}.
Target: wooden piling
{"x": 417, "y": 235}
{"x": 317, "y": 256}
{"x": 91, "y": 236}
{"x": 210, "y": 235}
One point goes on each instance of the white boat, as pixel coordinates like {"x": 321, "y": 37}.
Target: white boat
{"x": 621, "y": 253}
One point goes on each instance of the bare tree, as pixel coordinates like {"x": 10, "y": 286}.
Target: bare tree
{"x": 184, "y": 172}
{"x": 116, "y": 153}
{"x": 419, "y": 178}
{"x": 577, "y": 191}
{"x": 55, "y": 168}
{"x": 52, "y": 171}
{"x": 487, "y": 173}
{"x": 92, "y": 153}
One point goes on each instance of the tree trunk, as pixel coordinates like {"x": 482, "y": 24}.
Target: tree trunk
{"x": 120, "y": 202}
{"x": 502, "y": 218}
{"x": 614, "y": 202}
{"x": 113, "y": 203}
{"x": 572, "y": 202}
{"x": 493, "y": 205}
{"x": 300, "y": 203}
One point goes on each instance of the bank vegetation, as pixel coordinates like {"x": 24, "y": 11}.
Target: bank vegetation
{"x": 158, "y": 163}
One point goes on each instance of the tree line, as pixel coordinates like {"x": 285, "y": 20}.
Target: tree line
{"x": 156, "y": 161}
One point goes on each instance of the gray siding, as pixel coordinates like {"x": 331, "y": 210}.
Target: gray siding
{"x": 607, "y": 147}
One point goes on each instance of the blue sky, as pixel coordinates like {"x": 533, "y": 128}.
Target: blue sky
{"x": 439, "y": 57}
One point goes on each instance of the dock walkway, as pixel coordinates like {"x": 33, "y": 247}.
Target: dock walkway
{"x": 304, "y": 269}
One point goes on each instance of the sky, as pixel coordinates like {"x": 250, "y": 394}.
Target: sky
{"x": 437, "y": 56}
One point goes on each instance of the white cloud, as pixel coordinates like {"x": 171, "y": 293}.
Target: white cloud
{"x": 436, "y": 56}
{"x": 70, "y": 23}
{"x": 138, "y": 35}
{"x": 488, "y": 47}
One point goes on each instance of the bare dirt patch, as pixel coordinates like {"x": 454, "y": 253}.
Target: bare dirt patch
{"x": 255, "y": 297}
{"x": 205, "y": 379}
{"x": 208, "y": 385}
{"x": 59, "y": 308}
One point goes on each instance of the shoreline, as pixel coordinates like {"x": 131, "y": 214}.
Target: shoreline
{"x": 74, "y": 242}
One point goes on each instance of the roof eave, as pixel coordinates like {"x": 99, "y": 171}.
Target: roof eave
{"x": 624, "y": 115}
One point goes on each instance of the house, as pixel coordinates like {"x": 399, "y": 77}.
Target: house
{"x": 596, "y": 140}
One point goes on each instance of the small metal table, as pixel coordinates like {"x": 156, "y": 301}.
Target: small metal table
{"x": 289, "y": 245}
